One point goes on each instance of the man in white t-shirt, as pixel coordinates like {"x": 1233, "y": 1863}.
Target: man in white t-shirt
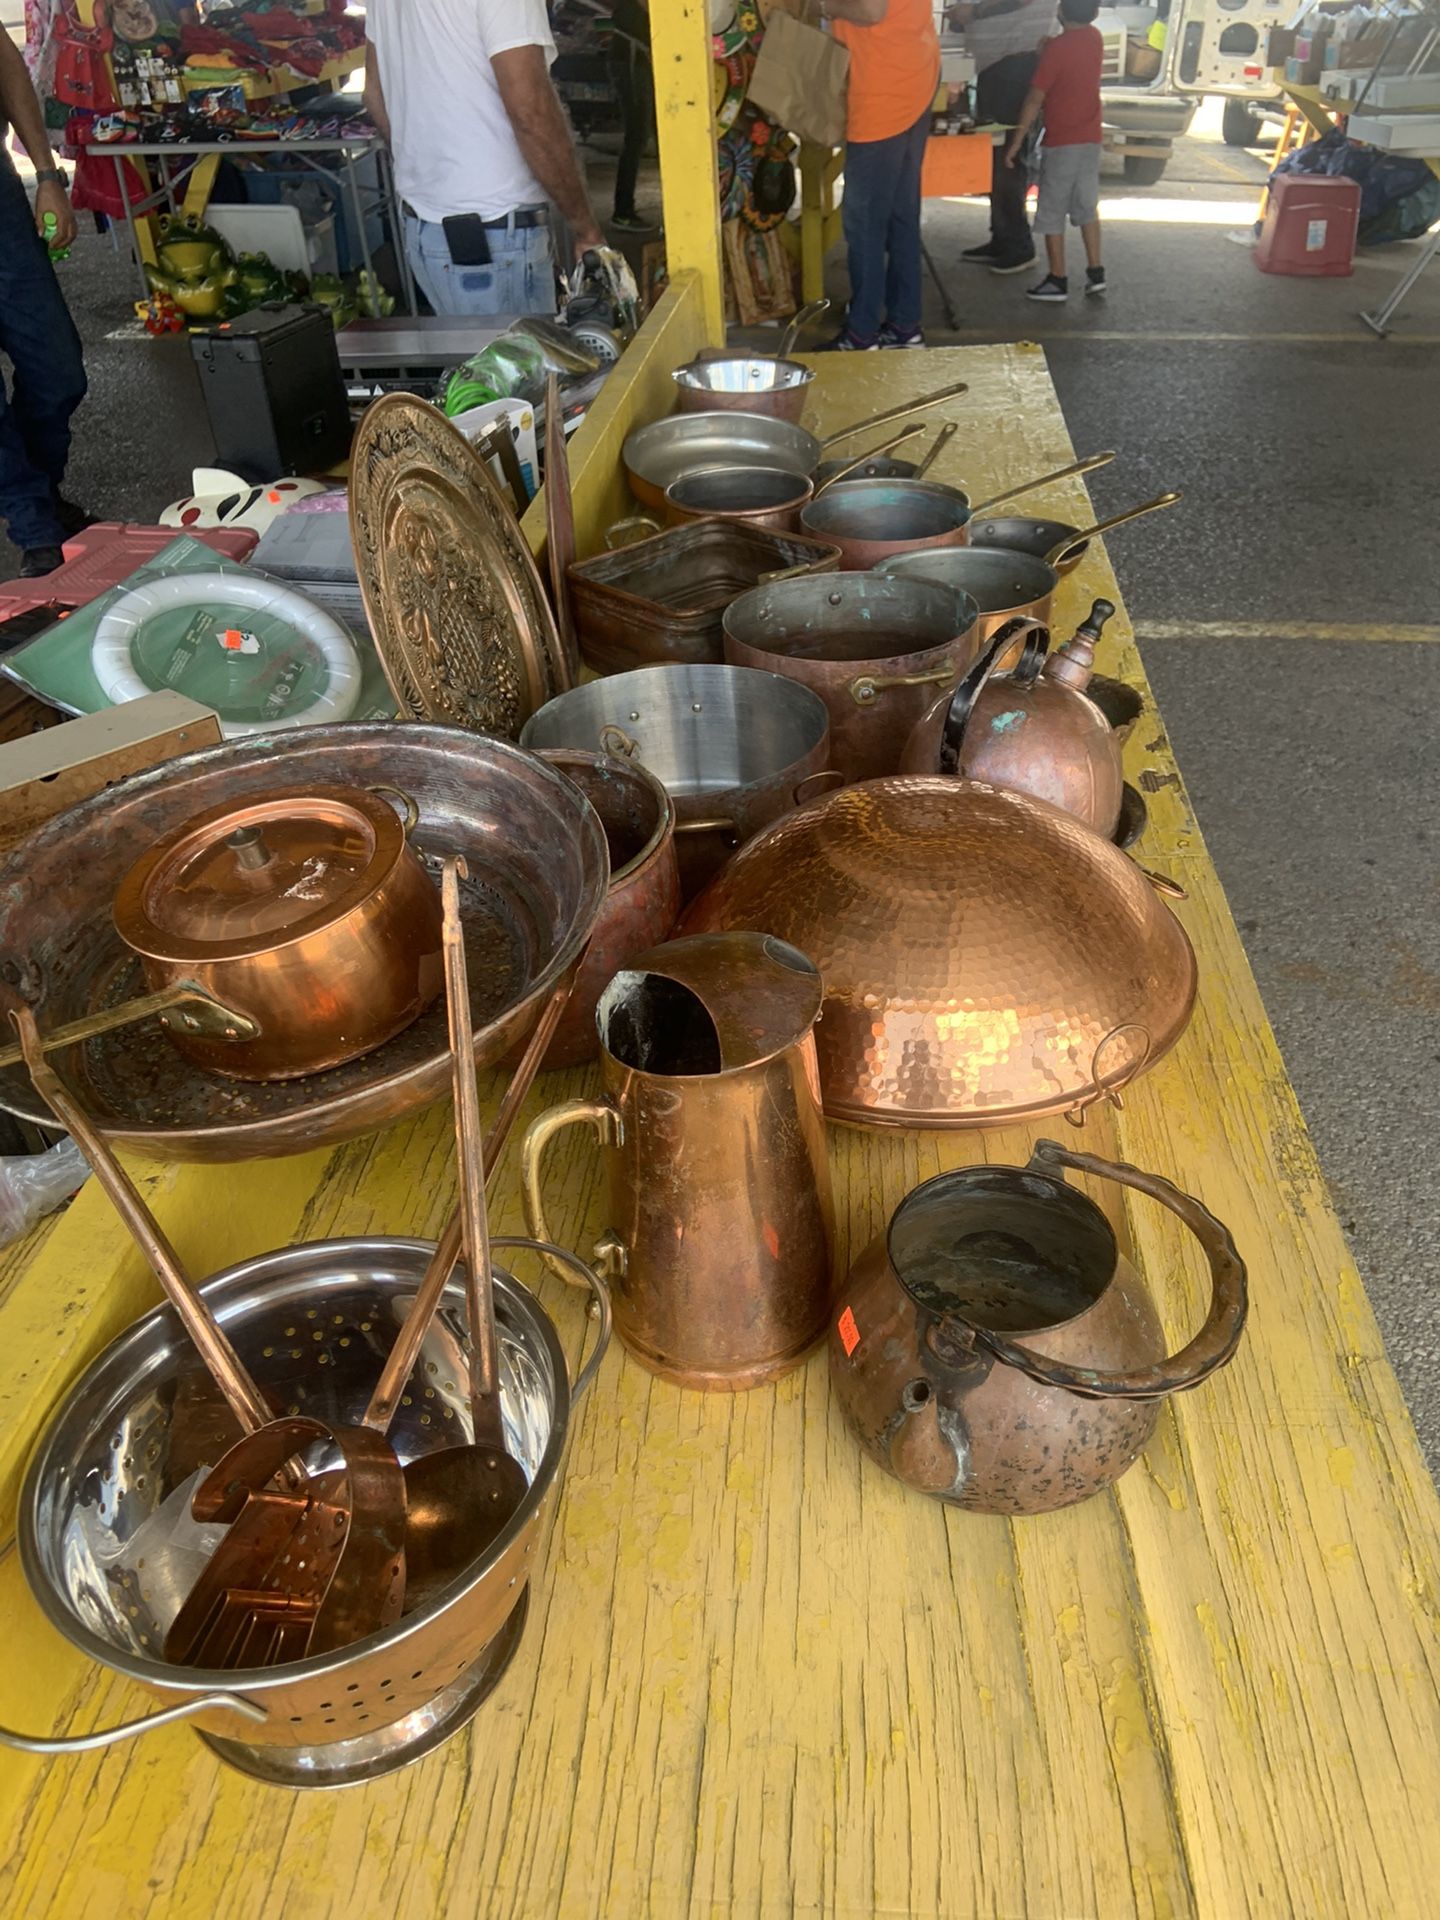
{"x": 461, "y": 90}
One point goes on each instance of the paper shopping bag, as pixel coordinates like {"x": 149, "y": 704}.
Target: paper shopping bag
{"x": 800, "y": 80}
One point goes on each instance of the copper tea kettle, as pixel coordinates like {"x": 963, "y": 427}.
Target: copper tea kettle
{"x": 1033, "y": 730}
{"x": 994, "y": 1348}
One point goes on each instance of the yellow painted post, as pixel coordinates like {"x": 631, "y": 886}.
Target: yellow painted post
{"x": 685, "y": 117}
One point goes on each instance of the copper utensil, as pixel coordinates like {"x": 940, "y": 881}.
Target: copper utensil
{"x": 870, "y": 520}
{"x": 1059, "y": 546}
{"x": 718, "y": 1251}
{"x": 994, "y": 1348}
{"x": 985, "y": 957}
{"x": 559, "y": 525}
{"x": 1089, "y": 464}
{"x": 1034, "y": 731}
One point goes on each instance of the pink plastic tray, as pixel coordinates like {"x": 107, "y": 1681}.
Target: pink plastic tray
{"x": 107, "y": 553}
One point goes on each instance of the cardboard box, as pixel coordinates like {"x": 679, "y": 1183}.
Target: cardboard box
{"x": 1280, "y": 46}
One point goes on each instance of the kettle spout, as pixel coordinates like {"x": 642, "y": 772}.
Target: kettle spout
{"x": 927, "y": 1445}
{"x": 1074, "y": 663}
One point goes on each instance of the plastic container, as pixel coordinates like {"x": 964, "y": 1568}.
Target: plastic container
{"x": 1310, "y": 225}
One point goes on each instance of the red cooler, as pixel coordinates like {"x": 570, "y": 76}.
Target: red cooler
{"x": 1309, "y": 226}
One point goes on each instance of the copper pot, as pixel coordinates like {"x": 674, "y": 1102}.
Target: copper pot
{"x": 986, "y": 958}
{"x": 306, "y": 912}
{"x": 873, "y": 649}
{"x": 1004, "y": 585}
{"x": 719, "y": 1249}
{"x": 744, "y": 383}
{"x": 995, "y": 1349}
{"x": 753, "y": 496}
{"x": 642, "y": 902}
{"x": 870, "y": 520}
{"x": 1033, "y": 730}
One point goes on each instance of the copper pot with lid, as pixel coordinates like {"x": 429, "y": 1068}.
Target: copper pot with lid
{"x": 1032, "y": 730}
{"x": 986, "y": 958}
{"x": 994, "y": 1347}
{"x": 306, "y": 913}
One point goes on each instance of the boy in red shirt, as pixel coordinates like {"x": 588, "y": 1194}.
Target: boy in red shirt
{"x": 1066, "y": 88}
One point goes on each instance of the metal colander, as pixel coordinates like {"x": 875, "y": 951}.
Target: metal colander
{"x": 110, "y": 1552}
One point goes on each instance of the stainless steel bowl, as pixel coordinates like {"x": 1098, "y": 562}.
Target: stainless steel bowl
{"x": 110, "y": 1553}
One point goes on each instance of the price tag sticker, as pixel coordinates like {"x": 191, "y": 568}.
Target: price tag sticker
{"x": 848, "y": 1331}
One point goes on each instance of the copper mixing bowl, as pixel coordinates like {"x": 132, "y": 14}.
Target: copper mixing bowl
{"x": 986, "y": 957}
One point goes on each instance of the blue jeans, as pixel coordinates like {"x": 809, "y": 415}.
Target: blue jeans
{"x": 47, "y": 378}
{"x": 881, "y": 214}
{"x": 519, "y": 279}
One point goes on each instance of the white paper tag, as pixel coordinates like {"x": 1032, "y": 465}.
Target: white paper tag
{"x": 1315, "y": 233}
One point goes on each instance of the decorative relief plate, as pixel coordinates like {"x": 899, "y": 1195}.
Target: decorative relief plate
{"x": 461, "y": 623}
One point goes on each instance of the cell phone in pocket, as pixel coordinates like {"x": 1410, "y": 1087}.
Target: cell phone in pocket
{"x": 467, "y": 240}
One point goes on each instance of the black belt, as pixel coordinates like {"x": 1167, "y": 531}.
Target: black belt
{"x": 521, "y": 219}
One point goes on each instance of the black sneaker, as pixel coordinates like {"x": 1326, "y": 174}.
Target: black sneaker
{"x": 1052, "y": 287}
{"x": 892, "y": 337}
{"x": 1095, "y": 280}
{"x": 1009, "y": 264}
{"x": 73, "y": 519}
{"x": 634, "y": 223}
{"x": 845, "y": 342}
{"x": 35, "y": 561}
{"x": 981, "y": 256}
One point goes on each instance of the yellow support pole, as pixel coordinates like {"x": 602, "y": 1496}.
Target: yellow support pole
{"x": 685, "y": 118}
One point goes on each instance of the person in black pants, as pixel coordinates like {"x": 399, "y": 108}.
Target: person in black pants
{"x": 634, "y": 79}
{"x": 37, "y": 335}
{"x": 1003, "y": 37}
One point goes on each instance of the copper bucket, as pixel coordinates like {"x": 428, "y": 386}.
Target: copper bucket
{"x": 719, "y": 1251}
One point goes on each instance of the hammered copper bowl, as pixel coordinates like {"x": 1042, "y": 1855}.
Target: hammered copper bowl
{"x": 986, "y": 957}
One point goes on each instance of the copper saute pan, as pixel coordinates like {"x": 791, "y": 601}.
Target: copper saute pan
{"x": 1060, "y": 546}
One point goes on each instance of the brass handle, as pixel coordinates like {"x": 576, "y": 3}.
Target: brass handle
{"x": 832, "y": 778}
{"x": 617, "y": 743}
{"x": 408, "y": 805}
{"x": 1111, "y": 1091}
{"x": 1061, "y": 473}
{"x": 1211, "y": 1347}
{"x": 129, "y": 1729}
{"x": 1162, "y": 883}
{"x": 641, "y": 520}
{"x": 204, "y": 1015}
{"x": 871, "y": 453}
{"x": 1083, "y": 534}
{"x": 902, "y": 412}
{"x": 610, "y": 1132}
{"x": 942, "y": 440}
{"x": 712, "y": 823}
{"x": 867, "y": 689}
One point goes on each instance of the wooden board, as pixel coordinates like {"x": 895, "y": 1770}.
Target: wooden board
{"x": 760, "y": 1679}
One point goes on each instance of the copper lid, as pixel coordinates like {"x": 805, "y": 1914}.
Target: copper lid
{"x": 239, "y": 880}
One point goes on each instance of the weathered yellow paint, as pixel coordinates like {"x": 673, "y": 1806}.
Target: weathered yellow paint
{"x": 819, "y": 225}
{"x": 685, "y": 126}
{"x": 758, "y": 1678}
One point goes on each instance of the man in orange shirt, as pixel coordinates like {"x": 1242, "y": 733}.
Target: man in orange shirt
{"x": 894, "y": 71}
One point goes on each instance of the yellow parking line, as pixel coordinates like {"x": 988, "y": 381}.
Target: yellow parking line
{"x": 1356, "y": 335}
{"x": 1280, "y": 630}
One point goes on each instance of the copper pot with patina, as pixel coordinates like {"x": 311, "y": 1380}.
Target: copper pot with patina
{"x": 995, "y": 1349}
{"x": 873, "y": 520}
{"x": 642, "y": 901}
{"x": 718, "y": 1247}
{"x": 1032, "y": 730}
{"x": 875, "y": 650}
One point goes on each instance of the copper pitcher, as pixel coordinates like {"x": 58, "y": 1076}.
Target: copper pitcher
{"x": 719, "y": 1250}
{"x": 1032, "y": 730}
{"x": 994, "y": 1348}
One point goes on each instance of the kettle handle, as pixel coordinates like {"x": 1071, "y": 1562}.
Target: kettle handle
{"x": 1211, "y": 1347}
{"x": 962, "y": 701}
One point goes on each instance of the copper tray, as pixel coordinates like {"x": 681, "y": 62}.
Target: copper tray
{"x": 461, "y": 621}
{"x": 538, "y": 873}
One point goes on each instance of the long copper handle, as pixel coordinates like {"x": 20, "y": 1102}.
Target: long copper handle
{"x": 902, "y": 412}
{"x": 1072, "y": 540}
{"x": 400, "y": 1362}
{"x": 870, "y": 453}
{"x": 1087, "y": 465}
{"x": 242, "y": 1395}
{"x": 204, "y": 1014}
{"x": 937, "y": 446}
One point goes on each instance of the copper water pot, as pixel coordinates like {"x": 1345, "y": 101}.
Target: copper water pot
{"x": 306, "y": 913}
{"x": 642, "y": 901}
{"x": 994, "y": 1348}
{"x": 875, "y": 650}
{"x": 1032, "y": 730}
{"x": 718, "y": 1252}
{"x": 872, "y": 520}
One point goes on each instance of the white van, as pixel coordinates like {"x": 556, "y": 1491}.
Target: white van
{"x": 1210, "y": 46}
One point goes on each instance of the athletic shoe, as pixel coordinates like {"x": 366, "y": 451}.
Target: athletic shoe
{"x": 1095, "y": 280}
{"x": 845, "y": 342}
{"x": 981, "y": 256}
{"x": 35, "y": 561}
{"x": 1052, "y": 287}
{"x": 72, "y": 519}
{"x": 634, "y": 223}
{"x": 892, "y": 337}
{"x": 1003, "y": 265}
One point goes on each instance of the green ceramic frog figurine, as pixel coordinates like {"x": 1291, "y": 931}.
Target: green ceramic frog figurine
{"x": 193, "y": 266}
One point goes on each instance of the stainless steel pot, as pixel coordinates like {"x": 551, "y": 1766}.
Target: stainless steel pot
{"x": 734, "y": 748}
{"x": 870, "y": 520}
{"x": 874, "y": 649}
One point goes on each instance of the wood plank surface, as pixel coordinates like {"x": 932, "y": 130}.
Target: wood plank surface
{"x": 758, "y": 1677}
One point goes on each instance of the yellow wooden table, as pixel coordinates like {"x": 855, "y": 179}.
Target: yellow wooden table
{"x": 759, "y": 1678}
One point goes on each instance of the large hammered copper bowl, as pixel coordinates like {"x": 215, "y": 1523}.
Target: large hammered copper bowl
{"x": 986, "y": 957}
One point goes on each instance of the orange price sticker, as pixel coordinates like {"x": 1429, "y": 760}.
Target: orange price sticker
{"x": 232, "y": 638}
{"x": 848, "y": 1331}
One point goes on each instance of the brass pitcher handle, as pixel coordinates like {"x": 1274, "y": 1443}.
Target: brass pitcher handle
{"x": 609, "y": 1258}
{"x": 962, "y": 704}
{"x": 130, "y": 1729}
{"x": 1211, "y": 1347}
{"x": 408, "y": 804}
{"x": 579, "y": 1274}
{"x": 867, "y": 689}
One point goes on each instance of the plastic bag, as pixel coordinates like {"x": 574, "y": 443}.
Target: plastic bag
{"x": 34, "y": 1184}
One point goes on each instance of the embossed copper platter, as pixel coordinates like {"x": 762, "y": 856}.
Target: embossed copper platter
{"x": 461, "y": 622}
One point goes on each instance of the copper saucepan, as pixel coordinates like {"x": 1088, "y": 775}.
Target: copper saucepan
{"x": 1058, "y": 545}
{"x": 1004, "y": 584}
{"x": 766, "y": 383}
{"x": 869, "y": 520}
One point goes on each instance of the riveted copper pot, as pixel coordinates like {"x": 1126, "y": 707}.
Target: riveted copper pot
{"x": 995, "y": 1349}
{"x": 306, "y": 912}
{"x": 986, "y": 958}
{"x": 1004, "y": 585}
{"x": 872, "y": 520}
{"x": 718, "y": 1251}
{"x": 873, "y": 649}
{"x": 1033, "y": 730}
{"x": 761, "y": 497}
{"x": 642, "y": 901}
